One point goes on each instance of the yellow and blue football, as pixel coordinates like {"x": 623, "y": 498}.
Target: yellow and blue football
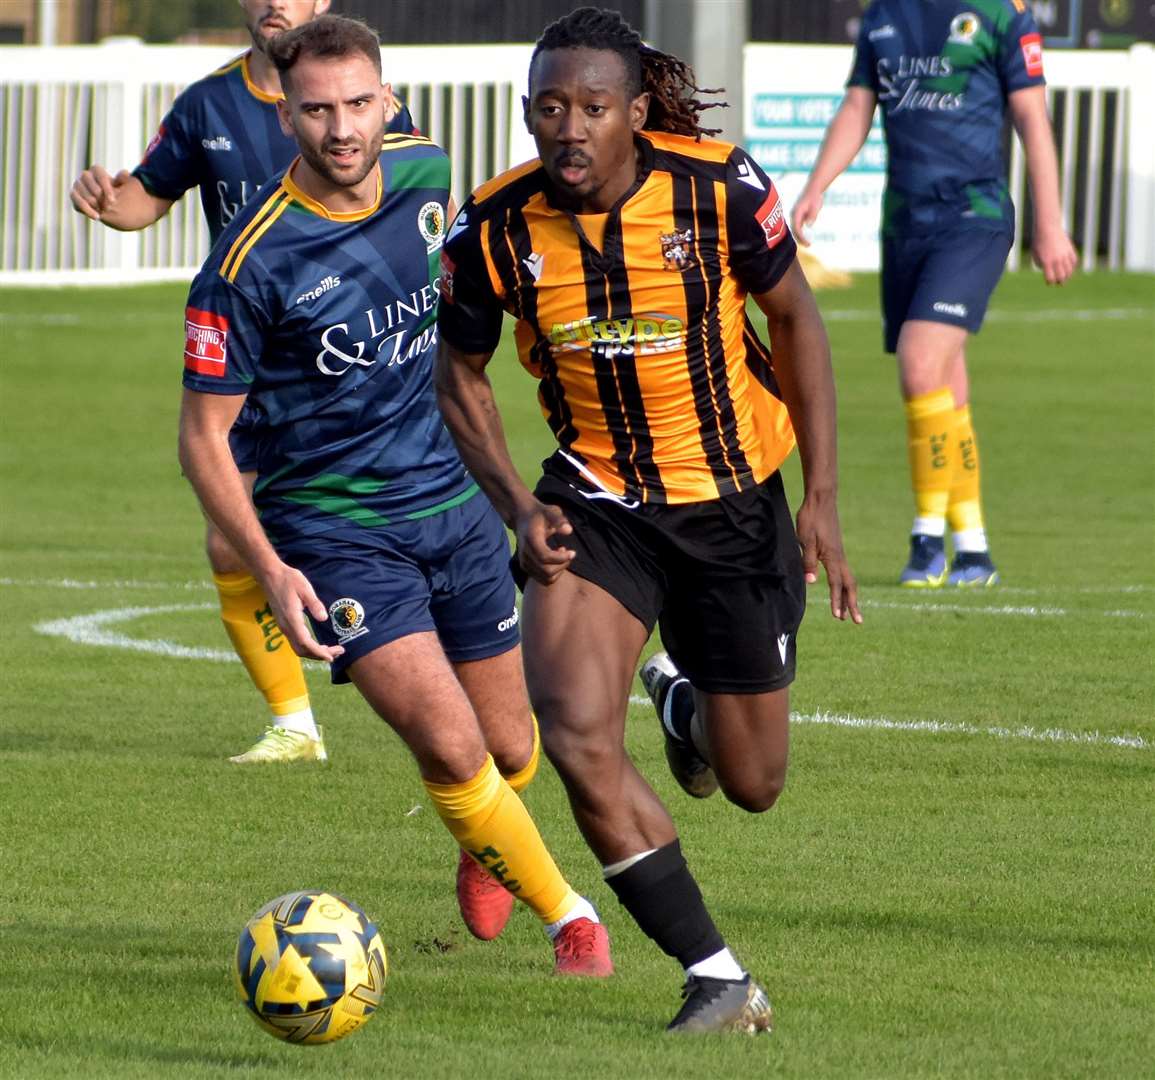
{"x": 310, "y": 967}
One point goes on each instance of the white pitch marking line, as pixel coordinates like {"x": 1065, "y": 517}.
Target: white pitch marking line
{"x": 942, "y": 727}
{"x": 1001, "y": 315}
{"x": 91, "y": 630}
{"x": 1029, "y": 611}
{"x": 72, "y": 583}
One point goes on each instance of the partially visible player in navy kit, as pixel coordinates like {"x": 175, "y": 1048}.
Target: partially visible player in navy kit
{"x": 222, "y": 135}
{"x": 945, "y": 72}
{"x": 318, "y": 306}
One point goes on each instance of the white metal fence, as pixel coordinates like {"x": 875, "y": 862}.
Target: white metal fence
{"x": 64, "y": 108}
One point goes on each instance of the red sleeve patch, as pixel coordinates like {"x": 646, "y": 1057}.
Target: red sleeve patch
{"x": 772, "y": 217}
{"x": 1032, "y": 46}
{"x": 153, "y": 143}
{"x": 205, "y": 342}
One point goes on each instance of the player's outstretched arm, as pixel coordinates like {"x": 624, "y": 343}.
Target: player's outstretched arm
{"x": 207, "y": 461}
{"x": 802, "y": 366}
{"x": 121, "y": 202}
{"x": 465, "y": 396}
{"x": 1051, "y": 246}
{"x": 844, "y": 138}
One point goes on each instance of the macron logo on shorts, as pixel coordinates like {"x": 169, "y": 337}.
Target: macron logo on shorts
{"x": 205, "y": 342}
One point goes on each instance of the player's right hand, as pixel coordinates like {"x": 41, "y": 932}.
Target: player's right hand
{"x": 806, "y": 211}
{"x": 291, "y": 596}
{"x": 95, "y": 191}
{"x": 541, "y": 530}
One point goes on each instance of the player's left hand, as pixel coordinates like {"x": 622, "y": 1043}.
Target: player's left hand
{"x": 1054, "y": 254}
{"x": 820, "y": 537}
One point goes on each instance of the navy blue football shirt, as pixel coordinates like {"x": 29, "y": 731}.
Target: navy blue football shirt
{"x": 223, "y": 136}
{"x": 942, "y": 71}
{"x": 328, "y": 323}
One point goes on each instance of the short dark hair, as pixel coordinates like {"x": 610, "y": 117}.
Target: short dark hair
{"x": 325, "y": 36}
{"x": 668, "y": 80}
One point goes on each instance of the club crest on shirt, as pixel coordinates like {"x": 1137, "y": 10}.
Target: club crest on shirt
{"x": 347, "y": 617}
{"x": 431, "y": 225}
{"x": 676, "y": 249}
{"x": 963, "y": 28}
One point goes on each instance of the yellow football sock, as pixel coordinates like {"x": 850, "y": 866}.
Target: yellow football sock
{"x": 965, "y": 511}
{"x": 930, "y": 425}
{"x": 269, "y": 659}
{"x": 489, "y": 821}
{"x": 519, "y": 780}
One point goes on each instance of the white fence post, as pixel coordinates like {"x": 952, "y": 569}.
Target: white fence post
{"x": 1140, "y": 241}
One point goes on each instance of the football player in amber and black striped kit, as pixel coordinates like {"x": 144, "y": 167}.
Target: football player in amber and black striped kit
{"x": 626, "y": 254}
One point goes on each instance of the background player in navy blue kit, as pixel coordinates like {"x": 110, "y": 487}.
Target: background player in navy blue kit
{"x": 319, "y": 307}
{"x": 945, "y": 73}
{"x": 223, "y": 136}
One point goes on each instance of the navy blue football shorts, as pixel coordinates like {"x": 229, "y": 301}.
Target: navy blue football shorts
{"x": 722, "y": 579}
{"x": 243, "y": 438}
{"x": 943, "y": 277}
{"x": 448, "y": 573}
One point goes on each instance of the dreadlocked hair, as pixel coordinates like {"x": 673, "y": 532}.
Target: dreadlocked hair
{"x": 674, "y": 105}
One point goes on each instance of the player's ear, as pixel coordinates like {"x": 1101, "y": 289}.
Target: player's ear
{"x": 639, "y": 110}
{"x": 285, "y": 117}
{"x": 320, "y": 7}
{"x": 390, "y": 102}
{"x": 525, "y": 112}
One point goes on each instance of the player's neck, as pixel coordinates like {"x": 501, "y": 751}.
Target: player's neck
{"x": 333, "y": 197}
{"x": 263, "y": 74}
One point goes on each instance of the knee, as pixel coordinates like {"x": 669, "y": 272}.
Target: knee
{"x": 754, "y": 792}
{"x": 577, "y": 741}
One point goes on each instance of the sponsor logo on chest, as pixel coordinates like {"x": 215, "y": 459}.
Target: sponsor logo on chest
{"x": 392, "y": 335}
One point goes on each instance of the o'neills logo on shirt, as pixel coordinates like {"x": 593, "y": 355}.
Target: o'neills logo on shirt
{"x": 330, "y": 282}
{"x": 205, "y": 342}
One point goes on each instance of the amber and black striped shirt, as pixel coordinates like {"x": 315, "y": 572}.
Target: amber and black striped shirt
{"x": 651, "y": 376}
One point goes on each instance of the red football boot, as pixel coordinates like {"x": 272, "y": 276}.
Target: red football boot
{"x": 484, "y": 903}
{"x": 582, "y": 948}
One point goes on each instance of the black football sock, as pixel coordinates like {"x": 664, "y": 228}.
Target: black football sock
{"x": 664, "y": 899}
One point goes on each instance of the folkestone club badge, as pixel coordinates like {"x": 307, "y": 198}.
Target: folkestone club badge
{"x": 431, "y": 225}
{"x": 348, "y": 619}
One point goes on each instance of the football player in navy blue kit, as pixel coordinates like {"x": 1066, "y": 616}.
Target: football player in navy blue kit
{"x": 223, "y": 136}
{"x": 945, "y": 73}
{"x": 319, "y": 307}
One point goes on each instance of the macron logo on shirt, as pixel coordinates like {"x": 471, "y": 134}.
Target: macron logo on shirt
{"x": 205, "y": 342}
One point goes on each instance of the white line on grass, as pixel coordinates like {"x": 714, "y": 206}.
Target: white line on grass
{"x": 1044, "y": 315}
{"x": 943, "y": 727}
{"x": 72, "y": 583}
{"x": 1028, "y": 611}
{"x": 93, "y": 629}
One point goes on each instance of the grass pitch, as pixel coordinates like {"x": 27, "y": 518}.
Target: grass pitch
{"x": 957, "y": 882}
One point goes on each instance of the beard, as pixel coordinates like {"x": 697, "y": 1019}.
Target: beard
{"x": 319, "y": 161}
{"x": 262, "y": 33}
